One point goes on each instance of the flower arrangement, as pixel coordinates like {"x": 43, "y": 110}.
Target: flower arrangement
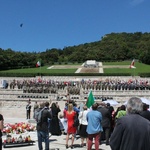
{"x": 20, "y": 139}
{"x": 18, "y": 128}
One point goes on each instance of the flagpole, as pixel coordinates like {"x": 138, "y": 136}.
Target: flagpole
{"x": 101, "y": 89}
{"x": 38, "y": 64}
{"x": 40, "y": 67}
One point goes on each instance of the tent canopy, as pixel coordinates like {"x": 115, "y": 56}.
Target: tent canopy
{"x": 111, "y": 102}
{"x": 144, "y": 100}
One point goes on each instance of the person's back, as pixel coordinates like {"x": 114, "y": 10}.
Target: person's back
{"x": 105, "y": 115}
{"x": 44, "y": 122}
{"x": 135, "y": 134}
{"x": 121, "y": 112}
{"x": 71, "y": 129}
{"x": 94, "y": 118}
{"x": 132, "y": 132}
{"x": 145, "y": 113}
{"x": 42, "y": 127}
{"x": 54, "y": 123}
{"x": 106, "y": 122}
{"x": 94, "y": 127}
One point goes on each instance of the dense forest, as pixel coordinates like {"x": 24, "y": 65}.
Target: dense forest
{"x": 111, "y": 47}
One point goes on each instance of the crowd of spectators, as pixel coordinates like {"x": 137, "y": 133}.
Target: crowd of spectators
{"x": 74, "y": 86}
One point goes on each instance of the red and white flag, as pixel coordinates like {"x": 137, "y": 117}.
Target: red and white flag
{"x": 132, "y": 64}
{"x": 38, "y": 64}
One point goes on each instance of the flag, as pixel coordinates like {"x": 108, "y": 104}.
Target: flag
{"x": 90, "y": 100}
{"x": 132, "y": 64}
{"x": 38, "y": 64}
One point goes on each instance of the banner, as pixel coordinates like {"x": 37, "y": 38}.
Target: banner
{"x": 90, "y": 100}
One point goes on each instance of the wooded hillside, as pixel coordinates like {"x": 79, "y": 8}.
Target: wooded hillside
{"x": 111, "y": 47}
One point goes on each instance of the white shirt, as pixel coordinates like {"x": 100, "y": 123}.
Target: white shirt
{"x": 82, "y": 117}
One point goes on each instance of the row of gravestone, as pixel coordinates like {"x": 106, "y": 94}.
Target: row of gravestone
{"x": 33, "y": 96}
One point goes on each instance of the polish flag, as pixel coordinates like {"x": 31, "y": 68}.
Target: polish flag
{"x": 132, "y": 64}
{"x": 38, "y": 64}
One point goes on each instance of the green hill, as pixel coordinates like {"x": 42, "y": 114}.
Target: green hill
{"x": 113, "y": 47}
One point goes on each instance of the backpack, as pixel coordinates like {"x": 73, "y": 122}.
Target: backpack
{"x": 76, "y": 121}
{"x": 38, "y": 116}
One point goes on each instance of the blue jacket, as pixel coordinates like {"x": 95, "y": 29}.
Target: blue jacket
{"x": 94, "y": 119}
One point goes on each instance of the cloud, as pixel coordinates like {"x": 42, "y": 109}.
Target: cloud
{"x": 136, "y": 2}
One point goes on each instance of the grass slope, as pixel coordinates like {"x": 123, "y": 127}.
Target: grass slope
{"x": 140, "y": 68}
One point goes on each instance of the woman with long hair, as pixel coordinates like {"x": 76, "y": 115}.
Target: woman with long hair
{"x": 71, "y": 130}
{"x": 54, "y": 123}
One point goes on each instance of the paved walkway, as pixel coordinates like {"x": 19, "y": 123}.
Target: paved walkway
{"x": 101, "y": 70}
{"x": 16, "y": 115}
{"x": 56, "y": 142}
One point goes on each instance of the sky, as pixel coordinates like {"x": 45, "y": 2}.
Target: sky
{"x": 48, "y": 24}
